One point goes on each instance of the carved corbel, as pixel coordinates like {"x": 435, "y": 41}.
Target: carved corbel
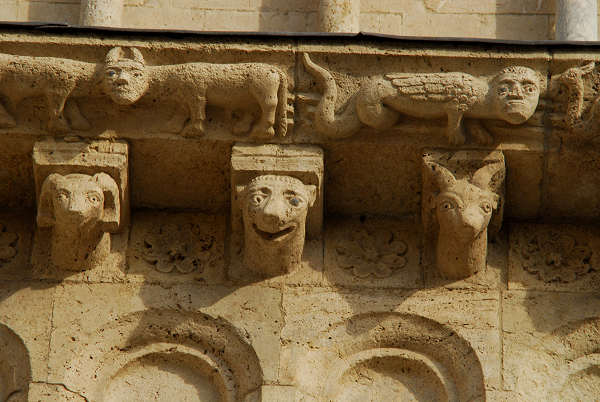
{"x": 277, "y": 204}
{"x": 462, "y": 201}
{"x": 83, "y": 199}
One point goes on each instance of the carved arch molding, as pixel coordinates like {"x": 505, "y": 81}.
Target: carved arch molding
{"x": 293, "y": 163}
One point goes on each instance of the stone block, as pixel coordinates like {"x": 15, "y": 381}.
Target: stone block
{"x": 227, "y": 20}
{"x": 26, "y": 320}
{"x": 572, "y": 188}
{"x": 183, "y": 330}
{"x": 550, "y": 342}
{"x": 523, "y": 170}
{"x": 177, "y": 247}
{"x": 373, "y": 252}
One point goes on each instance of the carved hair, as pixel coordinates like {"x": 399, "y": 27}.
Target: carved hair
{"x": 111, "y": 215}
{"x": 117, "y": 54}
{"x": 520, "y": 71}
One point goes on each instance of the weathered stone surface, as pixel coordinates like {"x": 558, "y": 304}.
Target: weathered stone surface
{"x": 373, "y": 253}
{"x": 554, "y": 257}
{"x": 326, "y": 332}
{"x": 188, "y": 326}
{"x": 550, "y": 344}
{"x": 357, "y": 308}
{"x": 177, "y": 247}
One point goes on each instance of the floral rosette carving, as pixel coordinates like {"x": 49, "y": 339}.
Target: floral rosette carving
{"x": 8, "y": 245}
{"x": 556, "y": 257}
{"x": 364, "y": 253}
{"x": 179, "y": 248}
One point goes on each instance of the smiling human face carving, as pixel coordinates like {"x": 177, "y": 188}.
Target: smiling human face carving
{"x": 274, "y": 215}
{"x": 516, "y": 93}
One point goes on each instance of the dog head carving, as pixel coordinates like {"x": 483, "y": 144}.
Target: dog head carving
{"x": 274, "y": 213}
{"x": 515, "y": 92}
{"x": 79, "y": 201}
{"x": 125, "y": 78}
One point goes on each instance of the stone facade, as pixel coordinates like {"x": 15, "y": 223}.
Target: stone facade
{"x": 506, "y": 19}
{"x": 297, "y": 219}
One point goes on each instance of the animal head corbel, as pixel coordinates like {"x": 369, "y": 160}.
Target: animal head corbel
{"x": 463, "y": 209}
{"x": 125, "y": 77}
{"x": 79, "y": 200}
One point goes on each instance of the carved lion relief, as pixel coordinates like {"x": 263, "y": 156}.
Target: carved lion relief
{"x": 462, "y": 209}
{"x": 274, "y": 209}
{"x": 511, "y": 95}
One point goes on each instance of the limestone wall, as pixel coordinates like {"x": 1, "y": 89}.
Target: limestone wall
{"x": 296, "y": 219}
{"x": 507, "y": 19}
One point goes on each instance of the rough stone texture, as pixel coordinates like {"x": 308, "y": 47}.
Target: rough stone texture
{"x": 173, "y": 313}
{"x": 101, "y": 13}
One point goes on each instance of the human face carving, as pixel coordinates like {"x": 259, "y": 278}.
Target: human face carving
{"x": 78, "y": 201}
{"x": 516, "y": 95}
{"x": 275, "y": 207}
{"x": 125, "y": 81}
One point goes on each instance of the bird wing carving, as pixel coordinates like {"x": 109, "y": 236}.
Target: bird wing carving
{"x": 459, "y": 88}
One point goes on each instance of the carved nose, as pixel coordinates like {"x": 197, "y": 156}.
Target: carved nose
{"x": 516, "y": 92}
{"x": 123, "y": 78}
{"x": 473, "y": 220}
{"x": 272, "y": 215}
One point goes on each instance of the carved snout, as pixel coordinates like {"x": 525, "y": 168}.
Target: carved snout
{"x": 472, "y": 222}
{"x": 273, "y": 217}
{"x": 78, "y": 199}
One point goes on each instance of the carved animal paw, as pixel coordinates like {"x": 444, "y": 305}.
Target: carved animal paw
{"x": 58, "y": 125}
{"x": 456, "y": 137}
{"x": 259, "y": 132}
{"x": 193, "y": 129}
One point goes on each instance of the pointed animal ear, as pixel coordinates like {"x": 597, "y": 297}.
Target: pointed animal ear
{"x": 137, "y": 55}
{"x": 442, "y": 177}
{"x": 113, "y": 55}
{"x": 483, "y": 177}
{"x": 45, "y": 214}
{"x": 111, "y": 216}
{"x": 311, "y": 192}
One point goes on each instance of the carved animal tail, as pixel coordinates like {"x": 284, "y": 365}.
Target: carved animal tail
{"x": 284, "y": 116}
{"x": 326, "y": 122}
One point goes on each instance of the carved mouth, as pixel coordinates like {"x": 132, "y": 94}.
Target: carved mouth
{"x": 276, "y": 236}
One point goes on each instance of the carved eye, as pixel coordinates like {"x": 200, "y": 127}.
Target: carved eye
{"x": 502, "y": 91}
{"x": 111, "y": 73}
{"x": 94, "y": 198}
{"x": 486, "y": 207}
{"x": 529, "y": 88}
{"x": 447, "y": 205}
{"x": 295, "y": 201}
{"x": 62, "y": 196}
